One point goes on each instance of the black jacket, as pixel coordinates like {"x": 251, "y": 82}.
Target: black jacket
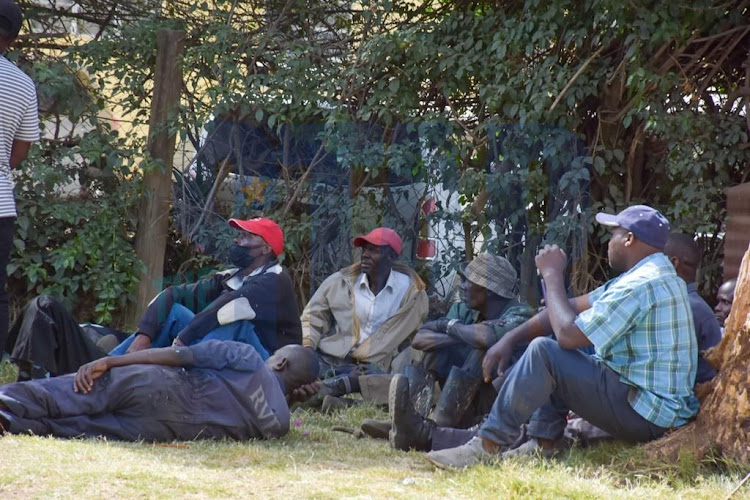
{"x": 266, "y": 298}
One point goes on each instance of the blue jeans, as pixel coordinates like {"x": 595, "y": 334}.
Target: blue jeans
{"x": 548, "y": 381}
{"x": 180, "y": 316}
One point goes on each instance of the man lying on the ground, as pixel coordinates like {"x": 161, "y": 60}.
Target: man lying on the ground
{"x": 361, "y": 316}
{"x": 211, "y": 390}
{"x": 684, "y": 254}
{"x": 253, "y": 303}
{"x": 640, "y": 381}
{"x": 724, "y": 299}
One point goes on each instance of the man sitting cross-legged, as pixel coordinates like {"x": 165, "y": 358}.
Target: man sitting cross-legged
{"x": 363, "y": 315}
{"x": 225, "y": 390}
{"x": 640, "y": 381}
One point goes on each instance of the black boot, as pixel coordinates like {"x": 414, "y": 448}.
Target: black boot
{"x": 458, "y": 394}
{"x": 421, "y": 385}
{"x": 338, "y": 386}
{"x": 409, "y": 430}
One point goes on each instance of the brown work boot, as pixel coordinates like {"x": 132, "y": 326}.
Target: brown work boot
{"x": 332, "y": 403}
{"x": 409, "y": 430}
{"x": 378, "y": 429}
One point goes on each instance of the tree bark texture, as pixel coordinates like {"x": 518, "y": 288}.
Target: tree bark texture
{"x": 153, "y": 213}
{"x": 723, "y": 423}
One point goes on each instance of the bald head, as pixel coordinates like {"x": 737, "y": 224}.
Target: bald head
{"x": 724, "y": 299}
{"x": 684, "y": 254}
{"x": 295, "y": 365}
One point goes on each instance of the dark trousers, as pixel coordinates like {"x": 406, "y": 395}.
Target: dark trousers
{"x": 48, "y": 336}
{"x": 7, "y": 228}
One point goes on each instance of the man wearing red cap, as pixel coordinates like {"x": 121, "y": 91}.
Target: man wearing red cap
{"x": 253, "y": 303}
{"x": 360, "y": 316}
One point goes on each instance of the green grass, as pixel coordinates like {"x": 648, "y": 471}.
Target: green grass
{"x": 315, "y": 462}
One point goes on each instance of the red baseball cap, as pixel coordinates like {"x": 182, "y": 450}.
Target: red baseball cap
{"x": 265, "y": 228}
{"x": 380, "y": 236}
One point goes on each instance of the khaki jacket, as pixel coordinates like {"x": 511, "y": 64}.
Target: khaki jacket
{"x": 330, "y": 325}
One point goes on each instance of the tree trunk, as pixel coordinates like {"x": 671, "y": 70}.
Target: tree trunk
{"x": 723, "y": 423}
{"x": 153, "y": 213}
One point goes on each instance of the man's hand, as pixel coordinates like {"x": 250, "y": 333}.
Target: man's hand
{"x": 303, "y": 392}
{"x": 551, "y": 259}
{"x": 499, "y": 355}
{"x": 140, "y": 342}
{"x": 85, "y": 376}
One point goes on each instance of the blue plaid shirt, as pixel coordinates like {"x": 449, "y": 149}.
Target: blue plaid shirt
{"x": 642, "y": 328}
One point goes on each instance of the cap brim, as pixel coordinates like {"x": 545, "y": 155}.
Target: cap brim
{"x": 360, "y": 241}
{"x": 607, "y": 219}
{"x": 247, "y": 226}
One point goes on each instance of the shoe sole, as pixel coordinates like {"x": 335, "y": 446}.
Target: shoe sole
{"x": 394, "y": 393}
{"x": 441, "y": 465}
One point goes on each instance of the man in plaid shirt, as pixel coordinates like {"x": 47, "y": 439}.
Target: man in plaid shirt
{"x": 639, "y": 382}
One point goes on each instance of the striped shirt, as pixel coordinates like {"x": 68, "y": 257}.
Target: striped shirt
{"x": 642, "y": 328}
{"x": 19, "y": 121}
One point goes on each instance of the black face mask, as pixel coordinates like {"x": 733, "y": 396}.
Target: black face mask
{"x": 240, "y": 256}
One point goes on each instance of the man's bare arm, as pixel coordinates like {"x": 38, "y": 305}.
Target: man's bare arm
{"x": 499, "y": 355}
{"x": 551, "y": 261}
{"x": 167, "y": 356}
{"x": 18, "y": 153}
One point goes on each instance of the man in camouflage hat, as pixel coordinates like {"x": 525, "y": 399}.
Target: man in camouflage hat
{"x": 451, "y": 350}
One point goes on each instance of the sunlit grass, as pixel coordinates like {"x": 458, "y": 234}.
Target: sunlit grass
{"x": 315, "y": 462}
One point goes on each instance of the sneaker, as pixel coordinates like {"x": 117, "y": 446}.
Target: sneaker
{"x": 467, "y": 455}
{"x": 532, "y": 448}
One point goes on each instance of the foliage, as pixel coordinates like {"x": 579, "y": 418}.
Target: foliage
{"x": 521, "y": 118}
{"x": 74, "y": 229}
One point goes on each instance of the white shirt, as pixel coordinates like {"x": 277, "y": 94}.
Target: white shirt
{"x": 19, "y": 120}
{"x": 373, "y": 310}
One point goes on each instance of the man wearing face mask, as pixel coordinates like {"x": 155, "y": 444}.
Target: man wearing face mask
{"x": 252, "y": 303}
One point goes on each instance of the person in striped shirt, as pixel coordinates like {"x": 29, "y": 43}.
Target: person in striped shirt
{"x": 19, "y": 127}
{"x": 639, "y": 382}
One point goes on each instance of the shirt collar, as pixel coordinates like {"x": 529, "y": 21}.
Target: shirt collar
{"x": 657, "y": 258}
{"x": 235, "y": 281}
{"x": 364, "y": 281}
{"x": 692, "y": 287}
